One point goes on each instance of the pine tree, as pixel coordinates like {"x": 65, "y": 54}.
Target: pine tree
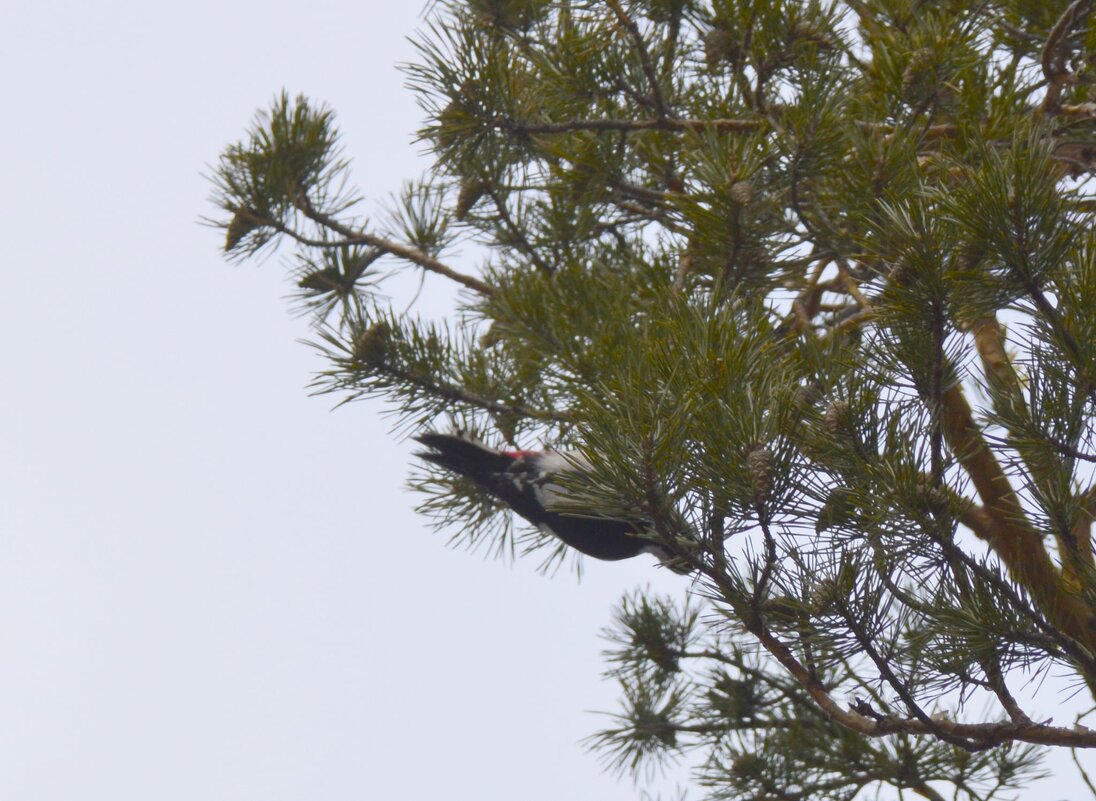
{"x": 817, "y": 278}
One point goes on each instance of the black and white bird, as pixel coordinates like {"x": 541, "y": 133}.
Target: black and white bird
{"x": 528, "y": 482}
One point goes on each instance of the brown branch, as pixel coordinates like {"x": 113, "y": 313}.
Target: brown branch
{"x": 638, "y": 192}
{"x": 1052, "y": 58}
{"x": 352, "y": 237}
{"x": 1000, "y": 375}
{"x": 1008, "y": 399}
{"x": 807, "y": 303}
{"x": 988, "y": 733}
{"x": 996, "y": 680}
{"x": 1054, "y": 636}
{"x": 991, "y": 665}
{"x": 1070, "y": 451}
{"x": 929, "y": 134}
{"x": 407, "y": 252}
{"x": 855, "y": 321}
{"x": 851, "y": 285}
{"x": 1084, "y": 110}
{"x": 902, "y": 689}
{"x": 1006, "y": 527}
{"x": 667, "y": 124}
{"x": 719, "y": 124}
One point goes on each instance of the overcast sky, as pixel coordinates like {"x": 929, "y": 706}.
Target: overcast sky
{"x": 211, "y": 585}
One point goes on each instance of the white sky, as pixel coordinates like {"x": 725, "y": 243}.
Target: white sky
{"x": 211, "y": 586}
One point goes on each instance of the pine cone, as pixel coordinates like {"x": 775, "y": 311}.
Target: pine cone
{"x": 759, "y": 461}
{"x": 371, "y": 348}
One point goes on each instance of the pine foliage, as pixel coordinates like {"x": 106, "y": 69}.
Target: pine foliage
{"x": 814, "y": 281}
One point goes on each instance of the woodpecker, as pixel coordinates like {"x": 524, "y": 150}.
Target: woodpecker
{"x": 526, "y": 481}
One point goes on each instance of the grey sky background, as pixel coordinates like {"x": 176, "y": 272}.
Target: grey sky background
{"x": 212, "y": 586}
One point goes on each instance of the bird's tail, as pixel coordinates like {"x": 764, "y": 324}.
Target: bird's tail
{"x": 462, "y": 455}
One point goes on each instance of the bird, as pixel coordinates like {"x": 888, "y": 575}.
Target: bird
{"x": 528, "y": 482}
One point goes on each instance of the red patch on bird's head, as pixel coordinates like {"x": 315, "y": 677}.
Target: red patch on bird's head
{"x": 519, "y": 454}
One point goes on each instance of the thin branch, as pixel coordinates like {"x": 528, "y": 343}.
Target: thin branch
{"x": 930, "y": 133}
{"x": 900, "y": 687}
{"x": 766, "y": 571}
{"x": 988, "y": 733}
{"x": 369, "y": 357}
{"x": 667, "y": 124}
{"x": 1052, "y": 58}
{"x": 638, "y": 192}
{"x": 1085, "y": 111}
{"x": 1000, "y": 689}
{"x": 519, "y": 236}
{"x": 1084, "y": 775}
{"x": 407, "y": 252}
{"x": 644, "y": 58}
{"x": 449, "y": 392}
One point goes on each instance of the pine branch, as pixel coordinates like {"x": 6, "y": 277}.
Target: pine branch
{"x": 407, "y": 252}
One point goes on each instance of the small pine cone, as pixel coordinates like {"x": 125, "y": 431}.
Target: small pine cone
{"x": 918, "y": 69}
{"x": 470, "y": 194}
{"x": 807, "y": 396}
{"x": 685, "y": 266}
{"x": 747, "y": 765}
{"x": 719, "y": 46}
{"x": 822, "y": 597}
{"x": 759, "y": 461}
{"x": 243, "y": 222}
{"x": 492, "y": 336}
{"x": 935, "y": 497}
{"x": 371, "y": 347}
{"x": 328, "y": 279}
{"x": 741, "y": 192}
{"x": 836, "y": 417}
